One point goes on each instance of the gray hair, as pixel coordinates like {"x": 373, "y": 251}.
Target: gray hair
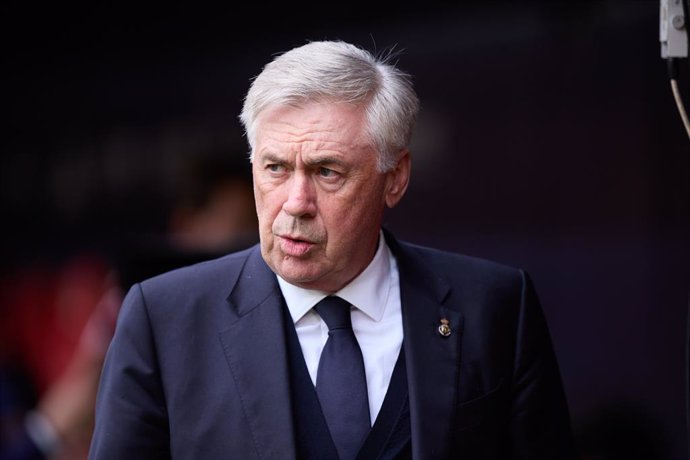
{"x": 335, "y": 71}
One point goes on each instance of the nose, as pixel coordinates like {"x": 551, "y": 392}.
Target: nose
{"x": 301, "y": 196}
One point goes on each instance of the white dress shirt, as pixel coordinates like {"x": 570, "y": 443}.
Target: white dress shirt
{"x": 376, "y": 321}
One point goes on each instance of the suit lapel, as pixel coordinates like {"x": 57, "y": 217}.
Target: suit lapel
{"x": 255, "y": 349}
{"x": 433, "y": 360}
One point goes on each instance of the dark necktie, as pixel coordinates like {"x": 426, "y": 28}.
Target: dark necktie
{"x": 341, "y": 383}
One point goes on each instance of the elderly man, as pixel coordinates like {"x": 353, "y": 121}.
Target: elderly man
{"x": 331, "y": 339}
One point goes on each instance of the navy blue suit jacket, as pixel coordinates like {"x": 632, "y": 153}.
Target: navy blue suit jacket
{"x": 197, "y": 368}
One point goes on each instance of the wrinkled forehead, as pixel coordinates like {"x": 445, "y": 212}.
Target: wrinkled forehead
{"x": 337, "y": 120}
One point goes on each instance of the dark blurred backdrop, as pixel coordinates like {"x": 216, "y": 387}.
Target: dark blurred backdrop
{"x": 548, "y": 139}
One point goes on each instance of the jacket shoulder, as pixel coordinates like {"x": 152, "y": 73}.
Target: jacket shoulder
{"x": 458, "y": 267}
{"x": 220, "y": 272}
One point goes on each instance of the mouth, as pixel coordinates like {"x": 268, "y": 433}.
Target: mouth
{"x": 294, "y": 246}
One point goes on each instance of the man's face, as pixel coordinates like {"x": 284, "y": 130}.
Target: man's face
{"x": 319, "y": 197}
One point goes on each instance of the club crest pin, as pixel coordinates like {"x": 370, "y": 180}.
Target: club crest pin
{"x": 444, "y": 328}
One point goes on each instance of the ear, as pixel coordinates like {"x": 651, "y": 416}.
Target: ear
{"x": 397, "y": 179}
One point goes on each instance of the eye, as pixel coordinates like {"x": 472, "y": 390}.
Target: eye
{"x": 326, "y": 172}
{"x": 275, "y": 168}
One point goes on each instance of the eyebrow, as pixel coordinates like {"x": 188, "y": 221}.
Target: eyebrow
{"x": 326, "y": 160}
{"x": 271, "y": 157}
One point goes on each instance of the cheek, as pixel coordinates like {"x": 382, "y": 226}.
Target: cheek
{"x": 367, "y": 203}
{"x": 352, "y": 219}
{"x": 267, "y": 206}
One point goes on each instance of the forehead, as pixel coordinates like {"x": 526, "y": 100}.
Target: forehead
{"x": 316, "y": 125}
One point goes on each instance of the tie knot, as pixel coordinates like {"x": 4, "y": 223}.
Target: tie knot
{"x": 335, "y": 312}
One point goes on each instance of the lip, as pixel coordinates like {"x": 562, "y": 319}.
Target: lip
{"x": 293, "y": 246}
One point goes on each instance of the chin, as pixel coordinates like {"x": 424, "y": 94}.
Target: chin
{"x": 291, "y": 271}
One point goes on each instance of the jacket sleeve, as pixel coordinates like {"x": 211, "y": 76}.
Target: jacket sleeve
{"x": 131, "y": 418}
{"x": 540, "y": 421}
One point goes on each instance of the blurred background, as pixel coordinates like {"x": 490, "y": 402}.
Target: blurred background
{"x": 548, "y": 139}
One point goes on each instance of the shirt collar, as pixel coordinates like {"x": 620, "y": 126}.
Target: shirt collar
{"x": 368, "y": 291}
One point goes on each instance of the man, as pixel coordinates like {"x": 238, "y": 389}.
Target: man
{"x": 446, "y": 357}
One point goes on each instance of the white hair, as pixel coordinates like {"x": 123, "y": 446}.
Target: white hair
{"x": 335, "y": 71}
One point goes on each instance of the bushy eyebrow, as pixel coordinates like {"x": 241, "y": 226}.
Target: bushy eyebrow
{"x": 324, "y": 161}
{"x": 270, "y": 157}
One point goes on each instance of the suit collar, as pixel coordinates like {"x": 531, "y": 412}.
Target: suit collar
{"x": 433, "y": 361}
{"x": 425, "y": 276}
{"x": 255, "y": 283}
{"x": 254, "y": 346}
